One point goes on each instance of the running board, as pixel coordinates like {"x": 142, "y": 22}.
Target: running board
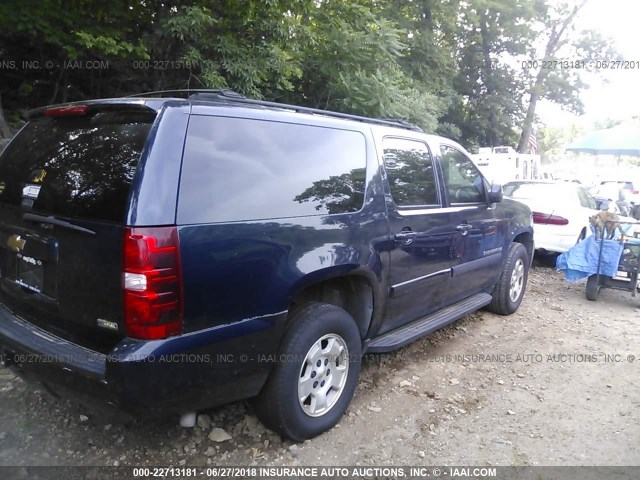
{"x": 404, "y": 335}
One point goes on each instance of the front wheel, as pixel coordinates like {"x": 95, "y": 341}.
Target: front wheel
{"x": 316, "y": 375}
{"x": 512, "y": 283}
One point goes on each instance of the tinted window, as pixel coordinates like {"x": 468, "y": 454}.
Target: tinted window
{"x": 410, "y": 172}
{"x": 75, "y": 166}
{"x": 462, "y": 178}
{"x": 239, "y": 169}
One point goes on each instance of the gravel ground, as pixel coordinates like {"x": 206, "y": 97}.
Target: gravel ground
{"x": 548, "y": 396}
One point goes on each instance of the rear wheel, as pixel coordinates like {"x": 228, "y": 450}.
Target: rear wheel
{"x": 316, "y": 375}
{"x": 593, "y": 288}
{"x": 511, "y": 285}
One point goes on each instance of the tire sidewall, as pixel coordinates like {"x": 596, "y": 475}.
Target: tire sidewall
{"x": 327, "y": 320}
{"x": 518, "y": 251}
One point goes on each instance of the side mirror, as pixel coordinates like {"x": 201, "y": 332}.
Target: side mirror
{"x": 495, "y": 193}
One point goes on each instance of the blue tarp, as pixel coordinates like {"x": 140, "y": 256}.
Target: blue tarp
{"x": 582, "y": 260}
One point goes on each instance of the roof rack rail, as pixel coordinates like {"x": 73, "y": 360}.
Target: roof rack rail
{"x": 188, "y": 92}
{"x": 308, "y": 110}
{"x": 226, "y": 95}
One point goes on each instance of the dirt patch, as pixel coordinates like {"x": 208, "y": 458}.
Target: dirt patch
{"x": 554, "y": 384}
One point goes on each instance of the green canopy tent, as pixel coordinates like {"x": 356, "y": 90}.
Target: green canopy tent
{"x": 617, "y": 141}
{"x": 620, "y": 140}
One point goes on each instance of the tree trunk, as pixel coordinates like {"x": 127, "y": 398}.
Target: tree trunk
{"x": 531, "y": 113}
{"x": 553, "y": 44}
{"x": 5, "y": 131}
{"x": 491, "y": 136}
{"x": 528, "y": 123}
{"x": 56, "y": 87}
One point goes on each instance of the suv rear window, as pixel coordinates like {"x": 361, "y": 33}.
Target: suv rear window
{"x": 77, "y": 166}
{"x": 238, "y": 169}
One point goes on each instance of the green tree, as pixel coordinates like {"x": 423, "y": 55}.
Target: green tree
{"x": 429, "y": 31}
{"x": 451, "y": 67}
{"x": 551, "y": 143}
{"x": 38, "y": 37}
{"x": 353, "y": 62}
{"x": 487, "y": 82}
{"x": 561, "y": 85}
{"x": 244, "y": 45}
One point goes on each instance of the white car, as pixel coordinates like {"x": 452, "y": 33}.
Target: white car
{"x": 560, "y": 211}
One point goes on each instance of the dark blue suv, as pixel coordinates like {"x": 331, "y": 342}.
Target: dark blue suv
{"x": 179, "y": 250}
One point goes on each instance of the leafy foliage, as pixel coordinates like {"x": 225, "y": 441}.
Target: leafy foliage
{"x": 450, "y": 66}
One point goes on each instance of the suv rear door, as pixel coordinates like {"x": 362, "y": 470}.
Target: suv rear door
{"x": 64, "y": 189}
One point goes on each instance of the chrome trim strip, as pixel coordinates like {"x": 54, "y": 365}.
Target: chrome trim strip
{"x": 406, "y": 212}
{"x": 461, "y": 208}
{"x": 424, "y": 277}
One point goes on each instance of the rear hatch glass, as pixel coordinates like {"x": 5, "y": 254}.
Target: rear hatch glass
{"x": 64, "y": 188}
{"x": 79, "y": 167}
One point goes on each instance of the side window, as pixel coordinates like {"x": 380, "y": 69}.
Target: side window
{"x": 240, "y": 169}
{"x": 410, "y": 172}
{"x": 586, "y": 200}
{"x": 463, "y": 180}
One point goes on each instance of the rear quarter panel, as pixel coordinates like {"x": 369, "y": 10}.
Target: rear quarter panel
{"x": 235, "y": 271}
{"x": 518, "y": 219}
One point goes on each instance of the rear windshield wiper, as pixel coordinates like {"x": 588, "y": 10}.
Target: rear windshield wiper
{"x": 31, "y": 217}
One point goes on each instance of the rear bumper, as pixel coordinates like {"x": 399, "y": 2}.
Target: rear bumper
{"x": 555, "y": 238}
{"x": 38, "y": 355}
{"x": 190, "y": 372}
{"x": 557, "y": 244}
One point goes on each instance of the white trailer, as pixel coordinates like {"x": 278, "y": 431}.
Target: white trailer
{"x": 504, "y": 164}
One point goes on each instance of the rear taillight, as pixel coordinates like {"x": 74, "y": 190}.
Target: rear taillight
{"x": 548, "y": 219}
{"x": 635, "y": 192}
{"x": 66, "y": 111}
{"x": 152, "y": 283}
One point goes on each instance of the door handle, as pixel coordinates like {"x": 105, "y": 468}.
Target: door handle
{"x": 464, "y": 228}
{"x": 405, "y": 236}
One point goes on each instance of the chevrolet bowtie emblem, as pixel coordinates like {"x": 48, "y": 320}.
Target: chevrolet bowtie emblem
{"x": 15, "y": 243}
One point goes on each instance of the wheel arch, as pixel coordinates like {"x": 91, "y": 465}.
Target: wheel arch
{"x": 356, "y": 290}
{"x": 526, "y": 238}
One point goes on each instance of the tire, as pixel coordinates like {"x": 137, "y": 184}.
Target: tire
{"x": 509, "y": 291}
{"x": 593, "y": 289}
{"x": 582, "y": 236}
{"x": 278, "y": 405}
